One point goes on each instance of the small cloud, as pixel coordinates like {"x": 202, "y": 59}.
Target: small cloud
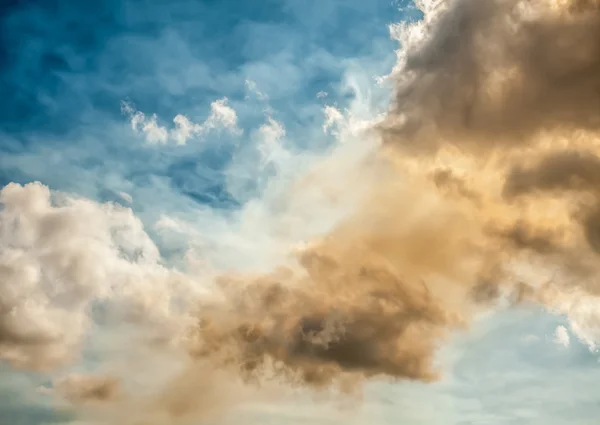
{"x": 184, "y": 129}
{"x": 154, "y": 133}
{"x": 141, "y": 124}
{"x": 222, "y": 117}
{"x": 126, "y": 197}
{"x": 561, "y": 336}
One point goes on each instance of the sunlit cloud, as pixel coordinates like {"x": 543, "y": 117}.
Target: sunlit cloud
{"x": 301, "y": 208}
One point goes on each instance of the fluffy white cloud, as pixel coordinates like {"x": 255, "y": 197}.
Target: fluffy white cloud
{"x": 561, "y": 336}
{"x": 63, "y": 258}
{"x": 184, "y": 129}
{"x": 222, "y": 117}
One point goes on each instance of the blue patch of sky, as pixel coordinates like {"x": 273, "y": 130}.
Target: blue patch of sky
{"x": 66, "y": 66}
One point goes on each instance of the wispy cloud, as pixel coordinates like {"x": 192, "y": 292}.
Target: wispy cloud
{"x": 561, "y": 336}
{"x": 271, "y": 135}
{"x": 222, "y": 118}
{"x": 252, "y": 89}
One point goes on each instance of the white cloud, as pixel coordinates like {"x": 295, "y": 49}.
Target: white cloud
{"x": 344, "y": 125}
{"x": 561, "y": 336}
{"x": 137, "y": 119}
{"x": 333, "y": 118}
{"x": 126, "y": 197}
{"x": 270, "y": 146}
{"x": 222, "y": 117}
{"x": 582, "y": 312}
{"x": 184, "y": 129}
{"x": 153, "y": 133}
{"x": 61, "y": 255}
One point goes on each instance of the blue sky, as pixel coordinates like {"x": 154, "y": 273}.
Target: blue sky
{"x": 68, "y": 67}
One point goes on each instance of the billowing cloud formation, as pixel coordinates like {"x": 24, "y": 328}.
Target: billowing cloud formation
{"x": 484, "y": 189}
{"x": 499, "y": 102}
{"x": 374, "y": 298}
{"x": 61, "y": 257}
{"x": 488, "y": 97}
{"x": 498, "y": 72}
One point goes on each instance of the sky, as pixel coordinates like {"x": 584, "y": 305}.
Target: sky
{"x": 179, "y": 129}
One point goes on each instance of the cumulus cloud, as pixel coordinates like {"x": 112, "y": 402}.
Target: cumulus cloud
{"x": 222, "y": 117}
{"x": 497, "y": 102}
{"x": 452, "y": 224}
{"x": 482, "y": 191}
{"x": 494, "y": 72}
{"x": 63, "y": 257}
{"x": 356, "y": 308}
{"x": 561, "y": 336}
{"x": 153, "y": 133}
{"x": 184, "y": 129}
